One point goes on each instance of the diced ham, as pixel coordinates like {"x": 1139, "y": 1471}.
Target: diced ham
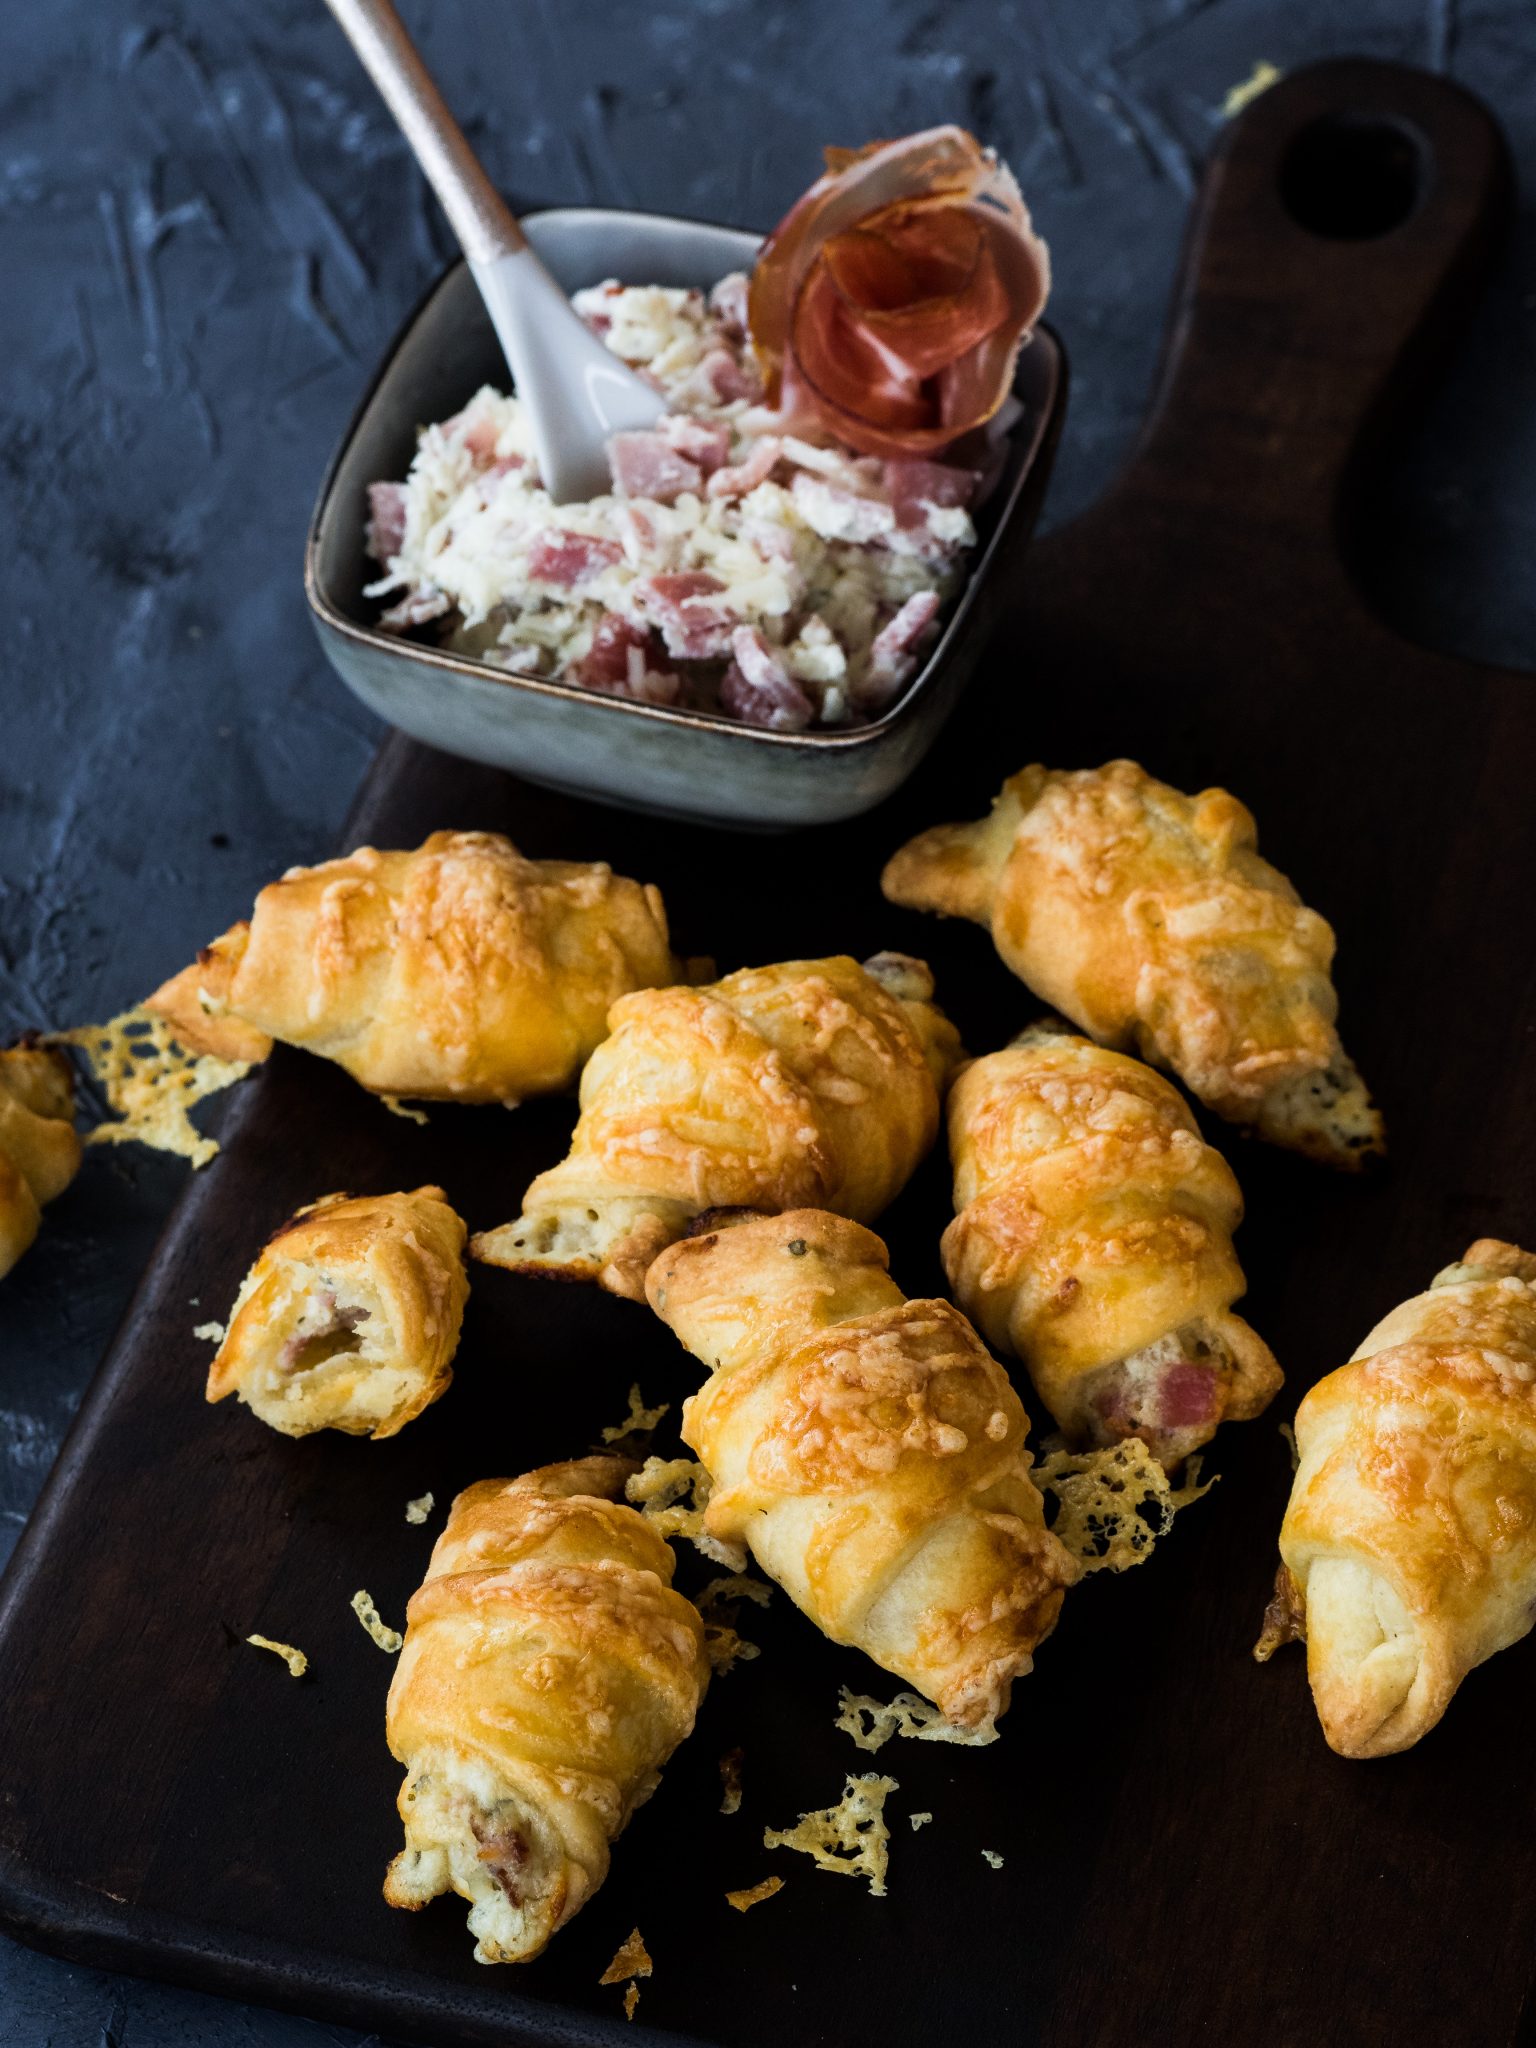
{"x": 505, "y": 464}
{"x": 728, "y": 303}
{"x": 892, "y": 654}
{"x": 646, "y": 465}
{"x": 386, "y": 521}
{"x": 706, "y": 442}
{"x": 694, "y": 626}
{"x": 727, "y": 377}
{"x": 571, "y": 558}
{"x": 642, "y": 538}
{"x": 415, "y": 609}
{"x": 759, "y": 690}
{"x": 1188, "y": 1395}
{"x": 913, "y": 485}
{"x": 479, "y": 437}
{"x": 741, "y": 477}
{"x": 837, "y": 514}
{"x": 625, "y": 660}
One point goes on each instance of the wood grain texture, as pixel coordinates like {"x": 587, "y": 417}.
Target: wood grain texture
{"x": 1184, "y": 1859}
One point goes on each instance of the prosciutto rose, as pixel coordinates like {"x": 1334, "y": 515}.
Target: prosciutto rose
{"x": 889, "y": 305}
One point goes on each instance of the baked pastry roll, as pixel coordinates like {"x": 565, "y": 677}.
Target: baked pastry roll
{"x": 460, "y": 972}
{"x": 1093, "y": 1239}
{"x": 39, "y": 1150}
{"x": 869, "y": 1451}
{"x": 811, "y": 1083}
{"x": 1409, "y": 1545}
{"x": 1148, "y": 918}
{"x": 350, "y": 1317}
{"x": 549, "y": 1671}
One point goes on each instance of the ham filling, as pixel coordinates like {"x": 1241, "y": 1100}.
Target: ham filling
{"x": 1171, "y": 1393}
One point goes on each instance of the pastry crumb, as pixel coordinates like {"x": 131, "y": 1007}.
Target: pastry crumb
{"x": 631, "y": 1998}
{"x": 754, "y": 1895}
{"x": 209, "y": 1333}
{"x": 296, "y": 1660}
{"x": 919, "y": 1820}
{"x": 908, "y": 1714}
{"x": 730, "y": 1781}
{"x": 387, "y": 1638}
{"x": 1100, "y": 1496}
{"x": 631, "y": 1960}
{"x": 991, "y": 1856}
{"x": 640, "y": 1420}
{"x": 418, "y": 1510}
{"x": 850, "y": 1838}
{"x": 151, "y": 1081}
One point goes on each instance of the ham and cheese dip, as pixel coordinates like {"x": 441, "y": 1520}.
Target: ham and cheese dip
{"x": 734, "y": 567}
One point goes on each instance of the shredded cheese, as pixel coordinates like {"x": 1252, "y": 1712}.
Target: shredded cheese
{"x": 754, "y": 1895}
{"x": 993, "y": 1858}
{"x": 418, "y": 1510}
{"x": 403, "y": 1109}
{"x": 672, "y": 1494}
{"x": 1101, "y": 1497}
{"x": 851, "y": 1837}
{"x": 632, "y": 1960}
{"x": 387, "y": 1638}
{"x": 296, "y": 1660}
{"x": 1260, "y": 79}
{"x": 908, "y": 1714}
{"x": 151, "y": 1081}
{"x": 639, "y": 1421}
{"x": 210, "y": 1333}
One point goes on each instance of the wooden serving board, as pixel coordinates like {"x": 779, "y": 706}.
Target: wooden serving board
{"x": 1184, "y": 1858}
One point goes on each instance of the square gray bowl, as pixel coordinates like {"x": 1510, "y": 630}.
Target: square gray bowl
{"x": 649, "y": 757}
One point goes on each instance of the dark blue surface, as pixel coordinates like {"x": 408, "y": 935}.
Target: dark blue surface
{"x": 209, "y": 228}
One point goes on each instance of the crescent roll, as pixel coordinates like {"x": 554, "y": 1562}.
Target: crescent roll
{"x": 1409, "y": 1545}
{"x": 549, "y": 1671}
{"x": 869, "y": 1451}
{"x": 1148, "y": 918}
{"x": 811, "y": 1083}
{"x": 350, "y": 1317}
{"x": 1093, "y": 1239}
{"x": 460, "y": 972}
{"x": 39, "y": 1150}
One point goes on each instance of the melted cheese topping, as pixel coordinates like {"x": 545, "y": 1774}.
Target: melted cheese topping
{"x": 1114, "y": 1503}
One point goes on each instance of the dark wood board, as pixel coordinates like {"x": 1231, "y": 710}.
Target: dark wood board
{"x": 1184, "y": 1858}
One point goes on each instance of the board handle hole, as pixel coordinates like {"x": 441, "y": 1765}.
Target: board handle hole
{"x": 1353, "y": 177}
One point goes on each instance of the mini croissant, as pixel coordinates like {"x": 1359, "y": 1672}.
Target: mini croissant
{"x": 350, "y": 1317}
{"x": 460, "y": 972}
{"x": 870, "y": 1453}
{"x": 1148, "y": 918}
{"x": 548, "y": 1673}
{"x": 1409, "y": 1544}
{"x": 39, "y": 1151}
{"x": 811, "y": 1082}
{"x": 1093, "y": 1238}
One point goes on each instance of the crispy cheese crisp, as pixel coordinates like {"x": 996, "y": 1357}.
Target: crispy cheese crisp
{"x": 387, "y": 1638}
{"x": 1101, "y": 1495}
{"x": 151, "y": 1081}
{"x": 872, "y": 1724}
{"x": 632, "y": 1960}
{"x": 672, "y": 1494}
{"x": 640, "y": 1420}
{"x": 754, "y": 1895}
{"x": 851, "y": 1837}
{"x": 296, "y": 1660}
{"x": 631, "y": 1999}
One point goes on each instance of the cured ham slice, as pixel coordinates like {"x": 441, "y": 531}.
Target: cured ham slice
{"x": 646, "y": 465}
{"x": 386, "y": 522}
{"x": 685, "y": 604}
{"x": 893, "y": 656}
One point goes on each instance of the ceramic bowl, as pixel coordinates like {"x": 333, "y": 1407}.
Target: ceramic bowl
{"x": 646, "y": 756}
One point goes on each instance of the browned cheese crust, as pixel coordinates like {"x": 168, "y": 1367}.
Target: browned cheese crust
{"x": 39, "y": 1151}
{"x": 869, "y": 1451}
{"x": 810, "y": 1082}
{"x": 1410, "y": 1538}
{"x": 1092, "y": 1224}
{"x": 1149, "y": 918}
{"x": 458, "y": 972}
{"x": 350, "y": 1317}
{"x": 549, "y": 1671}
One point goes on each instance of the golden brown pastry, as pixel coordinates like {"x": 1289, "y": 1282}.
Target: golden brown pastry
{"x": 1093, "y": 1239}
{"x": 548, "y": 1673}
{"x": 811, "y": 1082}
{"x": 1148, "y": 918}
{"x": 1409, "y": 1544}
{"x": 39, "y": 1151}
{"x": 350, "y": 1317}
{"x": 868, "y": 1451}
{"x": 460, "y": 972}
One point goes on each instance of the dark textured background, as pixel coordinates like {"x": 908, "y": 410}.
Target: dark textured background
{"x": 208, "y": 230}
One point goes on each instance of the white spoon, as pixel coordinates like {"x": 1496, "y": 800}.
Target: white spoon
{"x": 577, "y": 391}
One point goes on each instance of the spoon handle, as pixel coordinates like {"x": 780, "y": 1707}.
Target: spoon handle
{"x": 479, "y": 216}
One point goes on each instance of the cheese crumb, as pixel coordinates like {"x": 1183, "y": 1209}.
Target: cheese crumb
{"x": 851, "y": 1837}
{"x": 1100, "y": 1496}
{"x": 210, "y": 1333}
{"x": 151, "y": 1081}
{"x": 1259, "y": 80}
{"x": 993, "y": 1858}
{"x": 672, "y": 1494}
{"x": 398, "y": 1108}
{"x": 632, "y": 1960}
{"x": 1291, "y": 1445}
{"x": 631, "y": 1999}
{"x": 639, "y": 1421}
{"x": 734, "y": 1586}
{"x": 908, "y": 1714}
{"x": 730, "y": 1781}
{"x": 418, "y": 1510}
{"x": 754, "y": 1895}
{"x": 296, "y": 1660}
{"x": 919, "y": 1820}
{"x": 387, "y": 1638}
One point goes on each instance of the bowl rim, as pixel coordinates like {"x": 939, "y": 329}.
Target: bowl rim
{"x": 466, "y": 668}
